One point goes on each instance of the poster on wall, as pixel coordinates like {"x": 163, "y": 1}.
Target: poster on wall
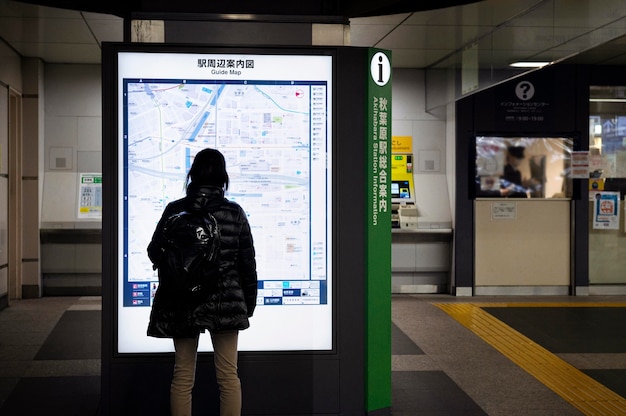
{"x": 270, "y": 115}
{"x": 580, "y": 164}
{"x": 606, "y": 211}
{"x": 503, "y": 211}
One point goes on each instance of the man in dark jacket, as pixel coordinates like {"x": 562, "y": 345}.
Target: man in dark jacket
{"x": 225, "y": 303}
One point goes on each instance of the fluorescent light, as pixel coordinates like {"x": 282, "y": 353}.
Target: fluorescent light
{"x": 608, "y": 100}
{"x": 529, "y": 64}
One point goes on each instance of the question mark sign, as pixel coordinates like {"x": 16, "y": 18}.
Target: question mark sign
{"x": 525, "y": 87}
{"x": 524, "y": 90}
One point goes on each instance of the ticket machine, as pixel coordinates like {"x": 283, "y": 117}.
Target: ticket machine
{"x": 403, "y": 210}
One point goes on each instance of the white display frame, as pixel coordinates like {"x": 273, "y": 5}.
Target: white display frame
{"x": 296, "y": 327}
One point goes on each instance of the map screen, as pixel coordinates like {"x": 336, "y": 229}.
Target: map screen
{"x": 270, "y": 115}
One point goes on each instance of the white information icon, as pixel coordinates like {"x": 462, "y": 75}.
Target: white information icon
{"x": 380, "y": 69}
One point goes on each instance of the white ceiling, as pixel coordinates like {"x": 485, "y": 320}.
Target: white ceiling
{"x": 502, "y": 31}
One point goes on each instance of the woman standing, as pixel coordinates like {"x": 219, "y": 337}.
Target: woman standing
{"x": 223, "y": 308}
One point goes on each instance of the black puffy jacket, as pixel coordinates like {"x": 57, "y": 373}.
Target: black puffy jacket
{"x": 177, "y": 312}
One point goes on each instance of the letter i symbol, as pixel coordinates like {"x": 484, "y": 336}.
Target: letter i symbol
{"x": 380, "y": 69}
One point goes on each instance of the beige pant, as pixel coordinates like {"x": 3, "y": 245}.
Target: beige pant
{"x": 225, "y": 358}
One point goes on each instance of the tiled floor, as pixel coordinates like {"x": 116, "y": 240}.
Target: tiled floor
{"x": 50, "y": 357}
{"x": 445, "y": 363}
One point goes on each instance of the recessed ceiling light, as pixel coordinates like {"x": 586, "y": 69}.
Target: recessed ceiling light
{"x": 529, "y": 64}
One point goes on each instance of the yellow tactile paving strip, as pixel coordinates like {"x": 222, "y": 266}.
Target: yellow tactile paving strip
{"x": 580, "y": 390}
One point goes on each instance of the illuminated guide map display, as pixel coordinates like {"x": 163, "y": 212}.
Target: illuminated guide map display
{"x": 270, "y": 115}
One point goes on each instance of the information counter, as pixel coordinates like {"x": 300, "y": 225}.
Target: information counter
{"x": 522, "y": 246}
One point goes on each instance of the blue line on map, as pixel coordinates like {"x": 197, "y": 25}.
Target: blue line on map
{"x": 196, "y": 130}
{"x": 217, "y": 94}
{"x": 204, "y": 117}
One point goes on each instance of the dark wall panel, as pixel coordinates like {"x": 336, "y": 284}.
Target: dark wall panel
{"x": 560, "y": 106}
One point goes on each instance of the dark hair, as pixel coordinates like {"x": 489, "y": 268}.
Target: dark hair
{"x": 208, "y": 168}
{"x": 516, "y": 151}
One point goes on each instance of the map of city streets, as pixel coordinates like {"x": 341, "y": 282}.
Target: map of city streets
{"x": 274, "y": 137}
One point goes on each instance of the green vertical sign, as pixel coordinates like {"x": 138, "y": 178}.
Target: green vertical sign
{"x": 378, "y": 232}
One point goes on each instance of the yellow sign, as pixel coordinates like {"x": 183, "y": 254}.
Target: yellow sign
{"x": 402, "y": 167}
{"x": 401, "y": 144}
{"x": 596, "y": 184}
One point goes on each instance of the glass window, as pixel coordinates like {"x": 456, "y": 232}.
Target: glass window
{"x": 523, "y": 167}
{"x": 607, "y": 185}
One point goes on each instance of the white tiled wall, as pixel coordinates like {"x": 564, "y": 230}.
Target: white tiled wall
{"x": 73, "y": 129}
{"x": 410, "y": 118}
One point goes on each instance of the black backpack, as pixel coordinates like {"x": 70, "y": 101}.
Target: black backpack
{"x": 192, "y": 239}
